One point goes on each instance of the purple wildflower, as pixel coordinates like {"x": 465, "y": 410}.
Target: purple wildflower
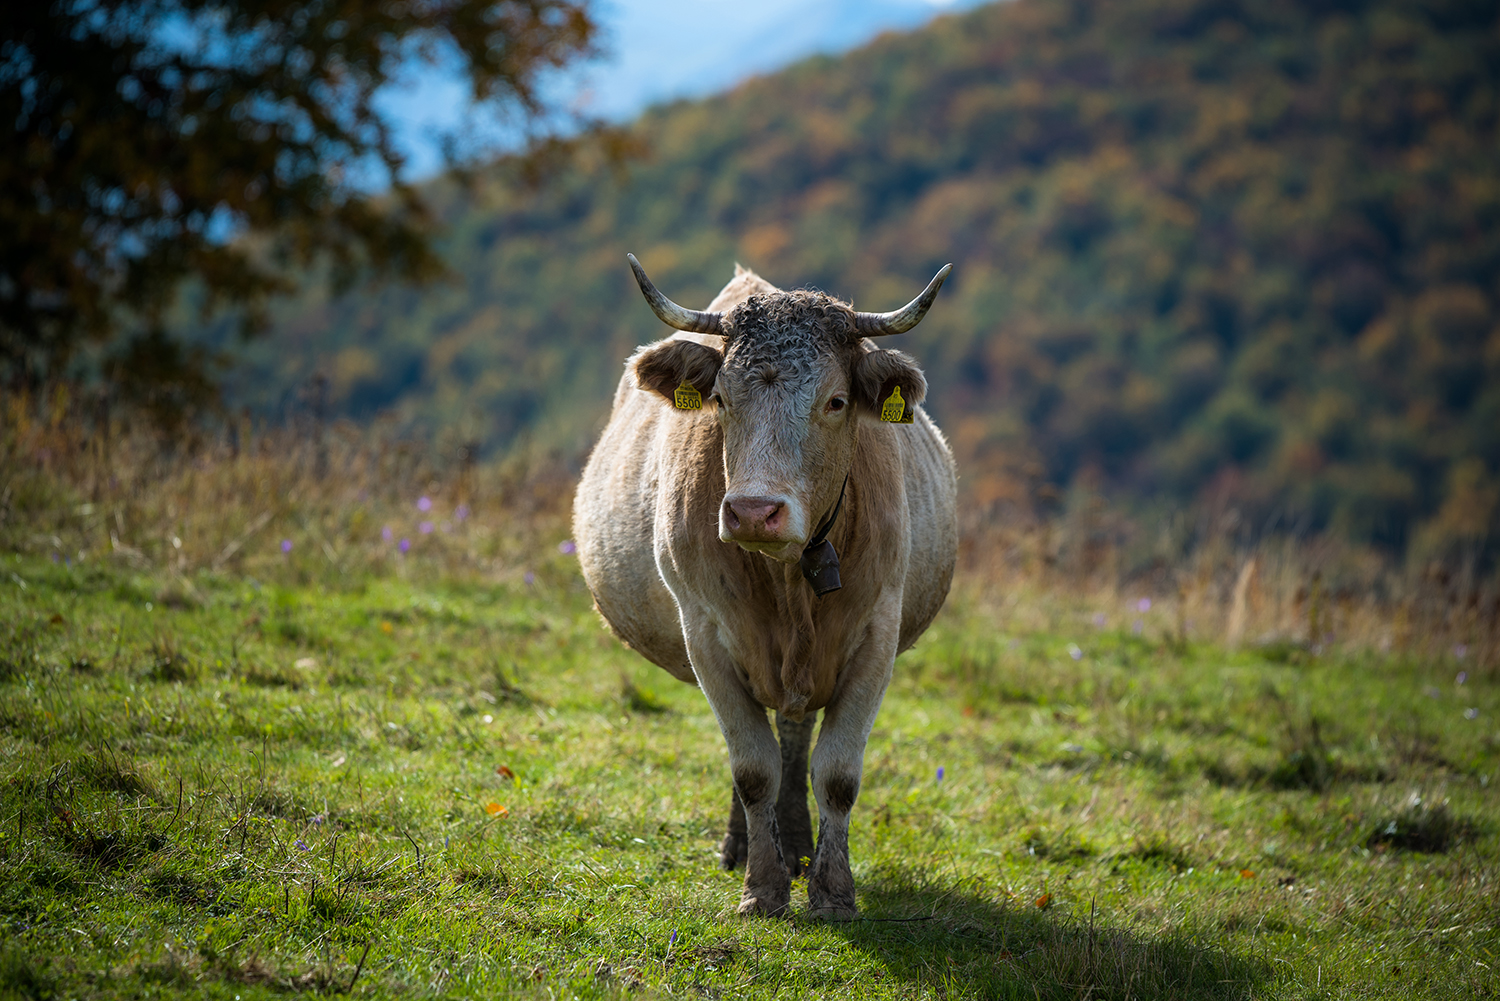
{"x": 567, "y": 547}
{"x": 530, "y": 578}
{"x": 940, "y": 773}
{"x": 405, "y": 545}
{"x": 1471, "y": 713}
{"x": 1144, "y": 605}
{"x": 462, "y": 512}
{"x": 1461, "y": 651}
{"x": 386, "y": 533}
{"x": 303, "y": 845}
{"x": 425, "y": 528}
{"x": 424, "y": 504}
{"x": 1075, "y": 651}
{"x": 1462, "y": 677}
{"x": 286, "y": 545}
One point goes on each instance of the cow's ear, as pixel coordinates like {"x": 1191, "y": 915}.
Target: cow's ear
{"x": 665, "y": 366}
{"x": 878, "y": 372}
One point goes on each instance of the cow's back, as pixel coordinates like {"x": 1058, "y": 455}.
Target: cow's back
{"x": 931, "y": 500}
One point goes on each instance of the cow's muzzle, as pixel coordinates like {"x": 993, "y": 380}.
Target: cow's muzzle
{"x": 760, "y": 523}
{"x": 755, "y": 519}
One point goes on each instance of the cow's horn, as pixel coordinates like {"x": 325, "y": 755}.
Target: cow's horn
{"x": 899, "y": 321}
{"x": 672, "y": 314}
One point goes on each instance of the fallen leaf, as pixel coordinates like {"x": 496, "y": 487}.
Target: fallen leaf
{"x": 1247, "y": 874}
{"x": 387, "y": 628}
{"x": 56, "y": 619}
{"x": 496, "y": 810}
{"x": 505, "y": 773}
{"x": 1044, "y": 901}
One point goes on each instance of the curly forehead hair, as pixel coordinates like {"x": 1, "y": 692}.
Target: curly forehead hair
{"x": 788, "y": 328}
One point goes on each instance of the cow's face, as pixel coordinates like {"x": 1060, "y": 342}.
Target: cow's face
{"x": 789, "y": 390}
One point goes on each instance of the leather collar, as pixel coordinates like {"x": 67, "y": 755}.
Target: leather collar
{"x": 820, "y": 561}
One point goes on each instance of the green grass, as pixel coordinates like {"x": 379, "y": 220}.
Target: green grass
{"x": 232, "y": 789}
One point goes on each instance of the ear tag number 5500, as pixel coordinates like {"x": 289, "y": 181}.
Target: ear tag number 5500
{"x": 895, "y": 410}
{"x": 685, "y": 397}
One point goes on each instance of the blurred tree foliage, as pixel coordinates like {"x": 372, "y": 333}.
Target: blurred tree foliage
{"x": 141, "y": 137}
{"x": 1207, "y": 250}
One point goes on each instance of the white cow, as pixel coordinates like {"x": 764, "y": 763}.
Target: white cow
{"x": 770, "y": 515}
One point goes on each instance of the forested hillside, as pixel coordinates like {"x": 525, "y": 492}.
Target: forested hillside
{"x": 1203, "y": 249}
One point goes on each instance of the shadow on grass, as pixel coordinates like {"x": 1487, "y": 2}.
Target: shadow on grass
{"x": 962, "y": 942}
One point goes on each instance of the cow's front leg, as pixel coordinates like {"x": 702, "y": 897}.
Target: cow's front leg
{"x": 754, "y": 765}
{"x": 792, "y": 817}
{"x": 838, "y": 763}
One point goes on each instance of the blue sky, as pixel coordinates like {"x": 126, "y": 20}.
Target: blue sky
{"x": 658, "y": 50}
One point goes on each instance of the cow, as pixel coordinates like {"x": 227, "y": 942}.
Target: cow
{"x": 769, "y": 514}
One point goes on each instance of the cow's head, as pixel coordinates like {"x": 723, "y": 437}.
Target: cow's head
{"x": 793, "y": 380}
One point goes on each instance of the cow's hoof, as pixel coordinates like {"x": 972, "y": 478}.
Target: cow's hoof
{"x": 834, "y": 903}
{"x": 732, "y": 851}
{"x": 834, "y": 913}
{"x": 770, "y": 905}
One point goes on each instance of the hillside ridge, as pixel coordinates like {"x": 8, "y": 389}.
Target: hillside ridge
{"x": 1206, "y": 251}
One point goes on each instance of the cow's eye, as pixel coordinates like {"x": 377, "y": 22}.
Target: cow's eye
{"x": 836, "y": 404}
{"x": 717, "y": 401}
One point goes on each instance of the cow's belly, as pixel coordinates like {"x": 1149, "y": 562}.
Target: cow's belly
{"x": 613, "y": 515}
{"x": 645, "y": 617}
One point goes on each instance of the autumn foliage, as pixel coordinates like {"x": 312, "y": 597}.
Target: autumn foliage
{"x": 1207, "y": 251}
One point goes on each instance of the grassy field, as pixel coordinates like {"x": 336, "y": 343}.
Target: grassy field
{"x": 218, "y": 787}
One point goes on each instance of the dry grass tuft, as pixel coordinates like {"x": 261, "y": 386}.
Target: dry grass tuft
{"x": 290, "y": 504}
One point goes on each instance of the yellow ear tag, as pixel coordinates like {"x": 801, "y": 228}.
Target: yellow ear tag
{"x": 894, "y": 407}
{"x": 685, "y": 397}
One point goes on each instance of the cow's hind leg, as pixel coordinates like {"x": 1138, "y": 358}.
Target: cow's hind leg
{"x": 736, "y": 843}
{"x": 791, "y": 804}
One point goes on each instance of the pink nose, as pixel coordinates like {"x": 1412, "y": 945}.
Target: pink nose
{"x": 754, "y": 519}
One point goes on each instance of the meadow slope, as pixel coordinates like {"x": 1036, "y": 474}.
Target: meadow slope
{"x": 434, "y": 786}
{"x": 1202, "y": 249}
